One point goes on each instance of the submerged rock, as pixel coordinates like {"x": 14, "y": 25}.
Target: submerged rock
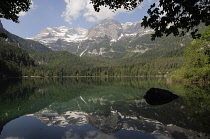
{"x": 157, "y": 96}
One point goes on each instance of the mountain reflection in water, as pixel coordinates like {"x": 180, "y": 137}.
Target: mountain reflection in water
{"x": 101, "y": 108}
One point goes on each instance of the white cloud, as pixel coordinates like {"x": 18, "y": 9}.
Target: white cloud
{"x": 146, "y": 3}
{"x": 32, "y": 6}
{"x": 104, "y": 13}
{"x": 76, "y": 8}
{"x": 22, "y": 14}
{"x": 73, "y": 9}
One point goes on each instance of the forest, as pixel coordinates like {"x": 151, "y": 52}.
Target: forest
{"x": 196, "y": 66}
{"x": 189, "y": 62}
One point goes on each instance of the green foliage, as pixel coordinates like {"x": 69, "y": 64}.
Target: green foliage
{"x": 130, "y": 56}
{"x": 168, "y": 16}
{"x": 3, "y": 35}
{"x": 12, "y": 60}
{"x": 164, "y": 56}
{"x": 197, "y": 104}
{"x": 158, "y": 62}
{"x": 10, "y": 9}
{"x": 197, "y": 61}
{"x": 206, "y": 34}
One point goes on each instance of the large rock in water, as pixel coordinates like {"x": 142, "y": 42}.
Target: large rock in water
{"x": 156, "y": 96}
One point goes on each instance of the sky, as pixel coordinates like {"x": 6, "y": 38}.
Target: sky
{"x": 69, "y": 13}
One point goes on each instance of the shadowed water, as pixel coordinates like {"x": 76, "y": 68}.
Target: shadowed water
{"x": 101, "y": 108}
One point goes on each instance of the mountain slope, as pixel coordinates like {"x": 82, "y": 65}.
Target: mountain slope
{"x": 50, "y": 35}
{"x": 109, "y": 27}
{"x": 28, "y": 45}
{"x": 130, "y": 28}
{"x": 84, "y": 42}
{"x": 13, "y": 59}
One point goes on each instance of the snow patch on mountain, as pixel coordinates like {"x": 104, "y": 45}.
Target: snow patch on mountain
{"x": 108, "y": 27}
{"x": 127, "y": 25}
{"x": 50, "y": 35}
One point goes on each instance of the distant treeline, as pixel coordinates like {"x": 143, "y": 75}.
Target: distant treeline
{"x": 160, "y": 61}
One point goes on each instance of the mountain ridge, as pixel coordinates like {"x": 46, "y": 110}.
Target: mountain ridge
{"x": 110, "y": 27}
{"x": 55, "y": 33}
{"x": 96, "y": 41}
{"x": 28, "y": 45}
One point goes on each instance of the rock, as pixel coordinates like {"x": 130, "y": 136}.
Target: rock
{"x": 156, "y": 96}
{"x": 108, "y": 27}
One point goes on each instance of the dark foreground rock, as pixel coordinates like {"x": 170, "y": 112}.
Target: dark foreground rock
{"x": 156, "y": 96}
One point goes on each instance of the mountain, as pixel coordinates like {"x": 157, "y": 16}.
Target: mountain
{"x": 14, "y": 53}
{"x": 130, "y": 53}
{"x": 108, "y": 27}
{"x": 28, "y": 45}
{"x": 95, "y": 41}
{"x": 50, "y": 35}
{"x": 130, "y": 28}
{"x": 13, "y": 59}
{"x": 110, "y": 39}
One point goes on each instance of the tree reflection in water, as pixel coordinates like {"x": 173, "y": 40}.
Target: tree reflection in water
{"x": 109, "y": 107}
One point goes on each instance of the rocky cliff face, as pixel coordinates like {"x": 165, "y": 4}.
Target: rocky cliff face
{"x": 108, "y": 27}
{"x": 130, "y": 28}
{"x": 96, "y": 41}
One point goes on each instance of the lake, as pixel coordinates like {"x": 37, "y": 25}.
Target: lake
{"x": 102, "y": 108}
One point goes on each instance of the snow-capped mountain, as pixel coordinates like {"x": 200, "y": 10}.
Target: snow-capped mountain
{"x": 100, "y": 40}
{"x": 108, "y": 27}
{"x": 132, "y": 29}
{"x": 50, "y": 35}
{"x": 129, "y": 27}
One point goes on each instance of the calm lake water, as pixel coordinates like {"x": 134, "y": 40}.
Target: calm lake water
{"x": 102, "y": 108}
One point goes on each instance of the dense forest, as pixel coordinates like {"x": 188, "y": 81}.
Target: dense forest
{"x": 13, "y": 59}
{"x": 196, "y": 67}
{"x": 166, "y": 57}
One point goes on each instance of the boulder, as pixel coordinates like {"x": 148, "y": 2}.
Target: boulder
{"x": 157, "y": 96}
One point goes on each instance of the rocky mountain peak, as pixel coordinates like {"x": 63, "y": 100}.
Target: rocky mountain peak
{"x": 130, "y": 28}
{"x": 110, "y": 27}
{"x": 109, "y": 21}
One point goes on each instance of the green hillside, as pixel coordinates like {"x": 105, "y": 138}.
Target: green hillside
{"x": 129, "y": 56}
{"x": 13, "y": 59}
{"x": 151, "y": 63}
{"x": 28, "y": 45}
{"x": 196, "y": 67}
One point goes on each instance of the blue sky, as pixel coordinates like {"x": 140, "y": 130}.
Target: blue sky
{"x": 70, "y": 13}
